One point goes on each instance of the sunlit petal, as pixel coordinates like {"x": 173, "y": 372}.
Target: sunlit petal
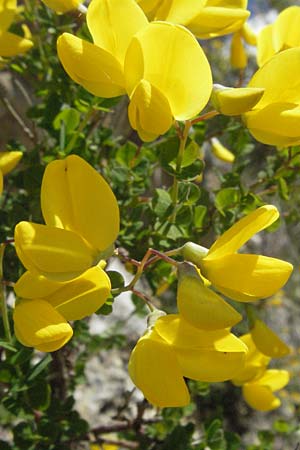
{"x": 242, "y": 231}
{"x": 113, "y": 23}
{"x": 267, "y": 341}
{"x": 154, "y": 369}
{"x": 200, "y": 306}
{"x": 57, "y": 254}
{"x": 74, "y": 196}
{"x": 255, "y": 275}
{"x": 169, "y": 57}
{"x": 95, "y": 69}
{"x": 38, "y": 325}
{"x": 149, "y": 111}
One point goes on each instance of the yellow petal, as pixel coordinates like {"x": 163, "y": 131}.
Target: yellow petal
{"x": 180, "y": 11}
{"x": 11, "y": 44}
{"x": 255, "y": 363}
{"x": 38, "y": 325}
{"x": 260, "y": 397}
{"x": 217, "y": 21}
{"x": 221, "y": 152}
{"x": 113, "y": 24}
{"x": 9, "y": 160}
{"x": 149, "y": 111}
{"x": 274, "y": 379}
{"x": 265, "y": 45}
{"x": 235, "y": 101}
{"x": 62, "y": 6}
{"x": 286, "y": 29}
{"x": 180, "y": 334}
{"x": 82, "y": 296}
{"x": 279, "y": 77}
{"x": 248, "y": 34}
{"x": 170, "y": 58}
{"x": 154, "y": 369}
{"x": 210, "y": 366}
{"x": 7, "y": 12}
{"x": 238, "y": 55}
{"x": 57, "y": 254}
{"x": 199, "y": 305}
{"x": 149, "y": 7}
{"x": 255, "y": 275}
{"x": 275, "y": 124}
{"x": 267, "y": 341}
{"x": 32, "y": 285}
{"x": 74, "y": 196}
{"x": 95, "y": 69}
{"x": 242, "y": 231}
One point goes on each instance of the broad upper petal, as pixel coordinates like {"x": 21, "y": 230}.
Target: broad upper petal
{"x": 76, "y": 197}
{"x": 170, "y": 58}
{"x": 267, "y": 341}
{"x": 113, "y": 23}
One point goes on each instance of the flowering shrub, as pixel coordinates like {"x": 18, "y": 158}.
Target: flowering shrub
{"x": 130, "y": 213}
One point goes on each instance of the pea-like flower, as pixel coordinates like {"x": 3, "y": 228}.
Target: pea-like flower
{"x": 204, "y": 18}
{"x": 281, "y": 35}
{"x": 174, "y": 349}
{"x": 259, "y": 383}
{"x": 44, "y": 306}
{"x": 8, "y": 161}
{"x": 242, "y": 277}
{"x": 275, "y": 119}
{"x": 82, "y": 222}
{"x": 160, "y": 66}
{"x": 10, "y": 43}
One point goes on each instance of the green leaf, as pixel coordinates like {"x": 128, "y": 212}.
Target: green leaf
{"x": 199, "y": 217}
{"x": 215, "y": 435}
{"x": 227, "y": 198}
{"x": 283, "y": 189}
{"x": 116, "y": 279}
{"x": 161, "y": 203}
{"x": 39, "y": 367}
{"x": 8, "y": 346}
{"x": 39, "y": 395}
{"x": 70, "y": 117}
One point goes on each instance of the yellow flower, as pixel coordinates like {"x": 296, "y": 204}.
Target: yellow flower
{"x": 258, "y": 383}
{"x": 174, "y": 349}
{"x": 283, "y": 34}
{"x": 37, "y": 324}
{"x": 275, "y": 119}
{"x": 242, "y": 277}
{"x": 62, "y": 6}
{"x": 8, "y": 161}
{"x": 199, "y": 305}
{"x": 71, "y": 300}
{"x": 205, "y": 19}
{"x": 82, "y": 222}
{"x": 160, "y": 66}
{"x": 267, "y": 341}
{"x": 10, "y": 44}
{"x": 259, "y": 392}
